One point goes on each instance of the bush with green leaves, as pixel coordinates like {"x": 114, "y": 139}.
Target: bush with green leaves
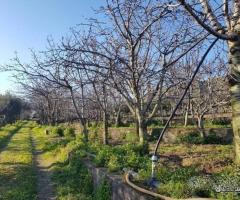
{"x": 103, "y": 191}
{"x": 93, "y": 135}
{"x": 221, "y": 121}
{"x": 73, "y": 178}
{"x": 173, "y": 182}
{"x": 175, "y": 189}
{"x": 191, "y": 138}
{"x": 114, "y": 164}
{"x": 131, "y": 137}
{"x": 135, "y": 161}
{"x": 183, "y": 174}
{"x": 200, "y": 186}
{"x": 140, "y": 149}
{"x": 58, "y": 131}
{"x": 69, "y": 132}
{"x": 103, "y": 155}
{"x": 196, "y": 138}
{"x": 119, "y": 157}
{"x": 155, "y": 123}
{"x": 212, "y": 138}
{"x": 186, "y": 182}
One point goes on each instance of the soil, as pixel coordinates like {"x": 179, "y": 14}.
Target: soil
{"x": 45, "y": 188}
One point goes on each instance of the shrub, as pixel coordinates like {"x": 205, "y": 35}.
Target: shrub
{"x": 69, "y": 132}
{"x": 103, "y": 156}
{"x": 191, "y": 138}
{"x": 144, "y": 174}
{"x": 136, "y": 162}
{"x": 200, "y": 186}
{"x": 163, "y": 174}
{"x": 93, "y": 124}
{"x": 73, "y": 179}
{"x": 131, "y": 137}
{"x": 117, "y": 158}
{"x": 155, "y": 134}
{"x": 141, "y": 149}
{"x": 212, "y": 138}
{"x": 155, "y": 123}
{"x": 76, "y": 197}
{"x": 196, "y": 138}
{"x": 183, "y": 174}
{"x": 114, "y": 164}
{"x": 221, "y": 121}
{"x": 58, "y": 131}
{"x": 176, "y": 189}
{"x": 93, "y": 135}
{"x": 132, "y": 160}
{"x": 103, "y": 191}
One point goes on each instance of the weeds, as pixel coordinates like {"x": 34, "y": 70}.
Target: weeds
{"x": 196, "y": 138}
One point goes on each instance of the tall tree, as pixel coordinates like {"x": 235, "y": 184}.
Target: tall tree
{"x": 222, "y": 19}
{"x": 138, "y": 49}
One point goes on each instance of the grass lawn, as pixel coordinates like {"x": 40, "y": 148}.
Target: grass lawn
{"x": 184, "y": 169}
{"x": 71, "y": 178}
{"x": 17, "y": 174}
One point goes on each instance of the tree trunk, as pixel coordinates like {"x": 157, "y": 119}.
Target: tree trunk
{"x": 142, "y": 132}
{"x": 118, "y": 118}
{"x": 82, "y": 120}
{"x": 142, "y": 128}
{"x": 161, "y": 110}
{"x": 137, "y": 127}
{"x": 201, "y": 126}
{"x": 186, "y": 117}
{"x": 187, "y": 111}
{"x": 136, "y": 123}
{"x": 105, "y": 128}
{"x": 85, "y": 132}
{"x": 234, "y": 81}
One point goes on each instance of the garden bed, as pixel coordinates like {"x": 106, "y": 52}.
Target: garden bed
{"x": 180, "y": 165}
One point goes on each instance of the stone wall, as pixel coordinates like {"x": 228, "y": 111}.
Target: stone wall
{"x": 119, "y": 189}
{"x": 172, "y": 133}
{"x": 117, "y": 134}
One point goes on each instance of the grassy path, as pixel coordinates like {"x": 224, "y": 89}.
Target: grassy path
{"x": 17, "y": 172}
{"x": 72, "y": 180}
{"x": 6, "y": 134}
{"x": 45, "y": 189}
{"x": 24, "y": 171}
{"x": 36, "y": 166}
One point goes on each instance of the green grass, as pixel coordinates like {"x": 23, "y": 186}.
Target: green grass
{"x": 17, "y": 173}
{"x": 72, "y": 180}
{"x": 7, "y": 132}
{"x": 179, "y": 164}
{"x": 206, "y": 160}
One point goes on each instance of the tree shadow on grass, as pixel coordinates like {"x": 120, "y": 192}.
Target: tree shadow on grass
{"x": 18, "y": 182}
{"x": 5, "y": 141}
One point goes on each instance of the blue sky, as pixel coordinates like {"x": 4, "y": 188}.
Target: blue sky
{"x": 26, "y": 24}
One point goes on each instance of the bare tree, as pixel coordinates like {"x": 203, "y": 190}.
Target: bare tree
{"x": 222, "y": 19}
{"x": 49, "y": 69}
{"x": 100, "y": 89}
{"x": 138, "y": 52}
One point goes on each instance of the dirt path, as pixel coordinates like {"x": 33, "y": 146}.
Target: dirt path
{"x": 45, "y": 187}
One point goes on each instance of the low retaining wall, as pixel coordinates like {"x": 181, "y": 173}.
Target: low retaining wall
{"x": 119, "y": 189}
{"x": 172, "y": 133}
{"x": 117, "y": 134}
